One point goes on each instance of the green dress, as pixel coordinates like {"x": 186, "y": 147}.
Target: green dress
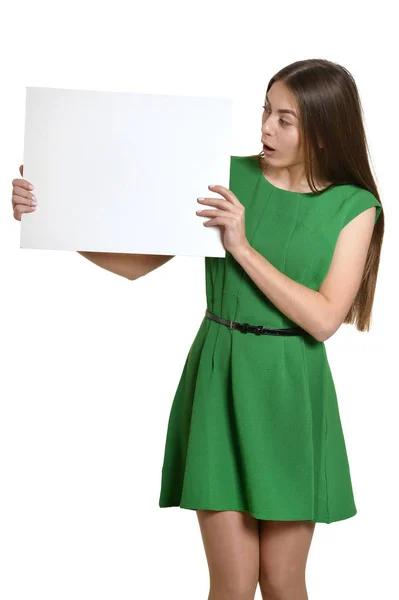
{"x": 254, "y": 425}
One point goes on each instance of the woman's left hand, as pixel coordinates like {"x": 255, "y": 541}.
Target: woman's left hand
{"x": 231, "y": 215}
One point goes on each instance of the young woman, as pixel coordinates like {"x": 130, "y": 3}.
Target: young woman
{"x": 254, "y": 441}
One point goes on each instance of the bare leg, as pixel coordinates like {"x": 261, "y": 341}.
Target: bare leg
{"x": 231, "y": 542}
{"x": 284, "y": 548}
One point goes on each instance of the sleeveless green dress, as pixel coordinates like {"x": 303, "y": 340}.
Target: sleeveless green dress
{"x": 254, "y": 425}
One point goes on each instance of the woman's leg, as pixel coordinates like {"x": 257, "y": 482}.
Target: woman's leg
{"x": 284, "y": 547}
{"x": 231, "y": 542}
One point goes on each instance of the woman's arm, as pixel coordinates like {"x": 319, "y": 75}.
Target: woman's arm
{"x": 131, "y": 266}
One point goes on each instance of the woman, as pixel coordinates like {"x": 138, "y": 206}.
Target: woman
{"x": 254, "y": 441}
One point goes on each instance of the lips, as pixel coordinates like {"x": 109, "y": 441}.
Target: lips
{"x": 268, "y": 147}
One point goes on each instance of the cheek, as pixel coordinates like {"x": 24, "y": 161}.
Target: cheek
{"x": 298, "y": 138}
{"x": 294, "y": 141}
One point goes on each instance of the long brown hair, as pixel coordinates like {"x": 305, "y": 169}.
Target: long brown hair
{"x": 330, "y": 112}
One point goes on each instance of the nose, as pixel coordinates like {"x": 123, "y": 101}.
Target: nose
{"x": 267, "y": 128}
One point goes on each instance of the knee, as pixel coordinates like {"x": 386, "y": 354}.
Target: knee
{"x": 282, "y": 583}
{"x": 233, "y": 591}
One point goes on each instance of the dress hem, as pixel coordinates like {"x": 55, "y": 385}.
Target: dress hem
{"x": 340, "y": 517}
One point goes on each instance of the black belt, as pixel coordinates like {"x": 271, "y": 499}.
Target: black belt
{"x": 257, "y": 329}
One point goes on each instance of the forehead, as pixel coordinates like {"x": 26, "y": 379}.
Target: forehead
{"x": 281, "y": 96}
{"x": 284, "y": 106}
{"x": 280, "y": 91}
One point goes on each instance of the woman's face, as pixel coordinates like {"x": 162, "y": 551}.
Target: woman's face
{"x": 280, "y": 130}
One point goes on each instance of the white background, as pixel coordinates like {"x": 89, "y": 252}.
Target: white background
{"x": 90, "y": 360}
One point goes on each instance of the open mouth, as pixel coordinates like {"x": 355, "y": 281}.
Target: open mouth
{"x": 268, "y": 148}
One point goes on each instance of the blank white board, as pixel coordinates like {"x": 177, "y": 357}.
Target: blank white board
{"x": 121, "y": 172}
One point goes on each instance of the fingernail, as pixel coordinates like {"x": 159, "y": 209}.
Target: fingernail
{"x": 200, "y": 199}
{"x": 31, "y": 187}
{"x": 34, "y": 202}
{"x": 212, "y": 186}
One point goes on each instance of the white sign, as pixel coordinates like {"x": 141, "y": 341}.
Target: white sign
{"x": 121, "y": 172}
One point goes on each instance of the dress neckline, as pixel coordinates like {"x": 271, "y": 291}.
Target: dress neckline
{"x": 274, "y": 187}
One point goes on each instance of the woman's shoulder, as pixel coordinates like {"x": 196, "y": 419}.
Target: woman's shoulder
{"x": 354, "y": 200}
{"x": 244, "y": 168}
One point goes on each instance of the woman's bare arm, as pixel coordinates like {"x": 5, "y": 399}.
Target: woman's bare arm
{"x": 131, "y": 266}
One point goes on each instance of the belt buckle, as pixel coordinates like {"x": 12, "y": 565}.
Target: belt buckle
{"x": 258, "y": 329}
{"x": 231, "y": 325}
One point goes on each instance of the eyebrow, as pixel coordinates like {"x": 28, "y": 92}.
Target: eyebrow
{"x": 283, "y": 110}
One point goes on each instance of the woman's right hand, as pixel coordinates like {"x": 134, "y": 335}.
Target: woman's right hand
{"x": 22, "y": 197}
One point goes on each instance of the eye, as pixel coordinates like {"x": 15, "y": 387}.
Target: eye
{"x": 282, "y": 120}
